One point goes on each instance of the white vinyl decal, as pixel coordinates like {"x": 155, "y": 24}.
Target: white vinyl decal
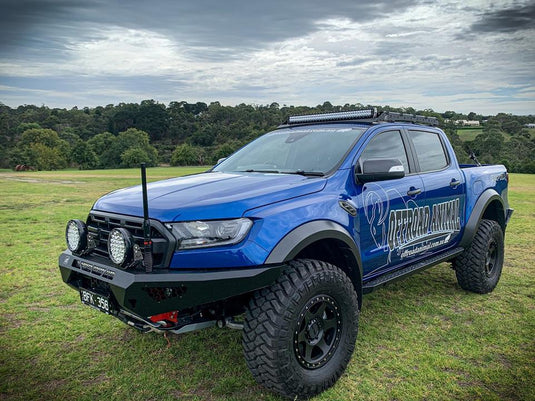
{"x": 412, "y": 230}
{"x": 415, "y": 230}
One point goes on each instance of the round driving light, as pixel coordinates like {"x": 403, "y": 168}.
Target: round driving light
{"x": 120, "y": 246}
{"x": 76, "y": 235}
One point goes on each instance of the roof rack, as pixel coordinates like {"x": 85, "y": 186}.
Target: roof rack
{"x": 391, "y": 116}
{"x": 368, "y": 116}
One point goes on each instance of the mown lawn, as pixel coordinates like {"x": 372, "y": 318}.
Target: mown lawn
{"x": 420, "y": 339}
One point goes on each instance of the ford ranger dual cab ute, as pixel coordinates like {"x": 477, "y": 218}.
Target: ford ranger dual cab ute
{"x": 283, "y": 238}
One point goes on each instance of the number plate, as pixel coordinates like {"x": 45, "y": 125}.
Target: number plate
{"x": 95, "y": 300}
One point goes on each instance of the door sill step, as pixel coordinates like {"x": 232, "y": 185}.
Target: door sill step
{"x": 369, "y": 286}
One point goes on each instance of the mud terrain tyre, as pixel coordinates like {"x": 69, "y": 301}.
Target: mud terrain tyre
{"x": 299, "y": 333}
{"x": 479, "y": 267}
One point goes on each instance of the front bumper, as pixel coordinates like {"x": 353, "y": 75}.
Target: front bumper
{"x": 148, "y": 294}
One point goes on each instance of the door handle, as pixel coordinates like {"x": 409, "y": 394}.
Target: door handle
{"x": 454, "y": 183}
{"x": 414, "y": 191}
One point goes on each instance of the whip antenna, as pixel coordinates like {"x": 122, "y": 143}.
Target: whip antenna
{"x": 147, "y": 242}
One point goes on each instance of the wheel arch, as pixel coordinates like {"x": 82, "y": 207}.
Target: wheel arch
{"x": 489, "y": 206}
{"x": 323, "y": 240}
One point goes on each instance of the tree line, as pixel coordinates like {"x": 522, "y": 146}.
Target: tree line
{"x": 183, "y": 133}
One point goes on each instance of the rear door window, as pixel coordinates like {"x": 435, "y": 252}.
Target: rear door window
{"x": 430, "y": 152}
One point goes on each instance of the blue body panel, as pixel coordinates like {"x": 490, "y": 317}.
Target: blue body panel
{"x": 279, "y": 203}
{"x": 479, "y": 179}
{"x": 208, "y": 196}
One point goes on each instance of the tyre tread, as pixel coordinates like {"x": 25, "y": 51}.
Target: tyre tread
{"x": 468, "y": 265}
{"x": 265, "y": 322}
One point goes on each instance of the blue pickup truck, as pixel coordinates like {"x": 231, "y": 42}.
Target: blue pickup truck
{"x": 283, "y": 238}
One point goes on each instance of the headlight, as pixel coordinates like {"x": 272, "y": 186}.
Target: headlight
{"x": 120, "y": 246}
{"x": 200, "y": 234}
{"x": 76, "y": 235}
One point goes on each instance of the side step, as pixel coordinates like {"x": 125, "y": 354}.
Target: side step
{"x": 369, "y": 286}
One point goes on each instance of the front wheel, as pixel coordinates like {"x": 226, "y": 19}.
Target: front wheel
{"x": 478, "y": 268}
{"x": 299, "y": 333}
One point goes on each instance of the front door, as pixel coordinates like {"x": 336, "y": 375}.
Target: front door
{"x": 391, "y": 213}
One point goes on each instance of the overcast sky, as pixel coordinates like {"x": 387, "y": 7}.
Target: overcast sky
{"x": 464, "y": 56}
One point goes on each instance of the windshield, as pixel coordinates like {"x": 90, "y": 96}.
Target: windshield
{"x": 308, "y": 151}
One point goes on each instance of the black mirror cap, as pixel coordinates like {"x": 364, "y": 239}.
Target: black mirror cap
{"x": 379, "y": 170}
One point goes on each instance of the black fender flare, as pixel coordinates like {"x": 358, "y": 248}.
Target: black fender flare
{"x": 485, "y": 199}
{"x": 304, "y": 235}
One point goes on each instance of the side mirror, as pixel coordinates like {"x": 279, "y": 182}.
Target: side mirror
{"x": 379, "y": 170}
{"x": 221, "y": 160}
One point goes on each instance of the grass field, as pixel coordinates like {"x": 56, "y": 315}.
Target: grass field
{"x": 420, "y": 339}
{"x": 469, "y": 134}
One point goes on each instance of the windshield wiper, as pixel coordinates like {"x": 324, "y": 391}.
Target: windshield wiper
{"x": 259, "y": 171}
{"x": 299, "y": 172}
{"x": 306, "y": 173}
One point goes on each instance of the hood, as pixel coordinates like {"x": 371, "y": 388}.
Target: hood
{"x": 209, "y": 195}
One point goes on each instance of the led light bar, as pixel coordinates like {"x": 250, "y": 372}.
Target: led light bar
{"x": 345, "y": 115}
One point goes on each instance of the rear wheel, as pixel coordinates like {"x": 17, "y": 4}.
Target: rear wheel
{"x": 479, "y": 267}
{"x": 299, "y": 333}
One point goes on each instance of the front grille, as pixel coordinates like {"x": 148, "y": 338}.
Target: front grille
{"x": 100, "y": 224}
{"x": 160, "y": 294}
{"x": 92, "y": 284}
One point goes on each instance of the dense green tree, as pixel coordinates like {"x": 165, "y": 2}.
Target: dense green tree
{"x": 83, "y": 156}
{"x": 123, "y": 117}
{"x": 225, "y": 150}
{"x": 488, "y": 146}
{"x": 133, "y": 138}
{"x": 102, "y": 146}
{"x": 43, "y": 157}
{"x": 133, "y": 157}
{"x": 43, "y": 149}
{"x": 152, "y": 117}
{"x": 27, "y": 126}
{"x": 185, "y": 155}
{"x": 512, "y": 127}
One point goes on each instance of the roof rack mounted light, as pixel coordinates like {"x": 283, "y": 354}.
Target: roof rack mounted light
{"x": 391, "y": 116}
{"x": 344, "y": 115}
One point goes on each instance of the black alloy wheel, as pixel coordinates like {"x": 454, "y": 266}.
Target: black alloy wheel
{"x": 318, "y": 332}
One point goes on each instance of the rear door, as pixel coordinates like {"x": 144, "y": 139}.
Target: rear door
{"x": 444, "y": 189}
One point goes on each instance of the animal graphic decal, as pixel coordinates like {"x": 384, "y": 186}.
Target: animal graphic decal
{"x": 416, "y": 230}
{"x": 413, "y": 229}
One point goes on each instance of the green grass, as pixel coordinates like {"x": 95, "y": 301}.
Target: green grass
{"x": 420, "y": 339}
{"x": 469, "y": 134}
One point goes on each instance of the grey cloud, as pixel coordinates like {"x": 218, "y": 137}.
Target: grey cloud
{"x": 441, "y": 62}
{"x": 24, "y": 22}
{"x": 506, "y": 20}
{"x": 353, "y": 62}
{"x": 233, "y": 24}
